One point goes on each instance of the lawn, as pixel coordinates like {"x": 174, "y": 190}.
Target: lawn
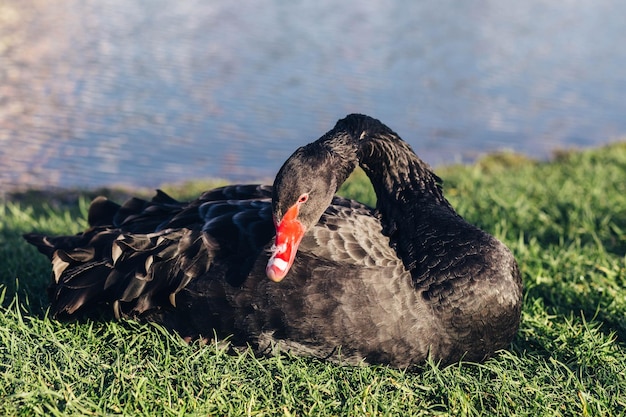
{"x": 565, "y": 221}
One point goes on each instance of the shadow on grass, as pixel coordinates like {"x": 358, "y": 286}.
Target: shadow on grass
{"x": 25, "y": 273}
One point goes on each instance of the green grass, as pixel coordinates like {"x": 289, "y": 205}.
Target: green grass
{"x": 565, "y": 220}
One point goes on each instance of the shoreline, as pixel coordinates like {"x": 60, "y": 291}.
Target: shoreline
{"x": 59, "y": 196}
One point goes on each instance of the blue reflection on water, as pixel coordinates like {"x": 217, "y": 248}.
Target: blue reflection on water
{"x": 143, "y": 93}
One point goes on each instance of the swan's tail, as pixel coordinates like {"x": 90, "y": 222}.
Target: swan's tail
{"x": 129, "y": 274}
{"x": 130, "y": 269}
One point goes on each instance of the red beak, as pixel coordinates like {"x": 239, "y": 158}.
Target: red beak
{"x": 289, "y": 233}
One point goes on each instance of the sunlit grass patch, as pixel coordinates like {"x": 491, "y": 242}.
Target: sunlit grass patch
{"x": 565, "y": 221}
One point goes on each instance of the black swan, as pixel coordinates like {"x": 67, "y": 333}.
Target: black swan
{"x": 348, "y": 283}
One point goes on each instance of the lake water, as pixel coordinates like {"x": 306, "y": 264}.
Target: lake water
{"x": 140, "y": 93}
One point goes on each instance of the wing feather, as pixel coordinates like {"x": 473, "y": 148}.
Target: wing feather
{"x": 138, "y": 256}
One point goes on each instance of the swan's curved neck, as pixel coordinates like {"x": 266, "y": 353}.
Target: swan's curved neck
{"x": 406, "y": 188}
{"x": 396, "y": 172}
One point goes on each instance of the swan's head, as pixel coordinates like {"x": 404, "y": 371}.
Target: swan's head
{"x": 303, "y": 189}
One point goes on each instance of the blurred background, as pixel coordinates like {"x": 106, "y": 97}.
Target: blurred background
{"x": 140, "y": 93}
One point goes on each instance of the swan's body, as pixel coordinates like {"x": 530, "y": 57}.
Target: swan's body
{"x": 391, "y": 285}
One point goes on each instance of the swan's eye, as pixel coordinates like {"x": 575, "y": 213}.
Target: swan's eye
{"x": 303, "y": 198}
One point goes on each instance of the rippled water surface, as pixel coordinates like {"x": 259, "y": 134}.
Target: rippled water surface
{"x": 140, "y": 93}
